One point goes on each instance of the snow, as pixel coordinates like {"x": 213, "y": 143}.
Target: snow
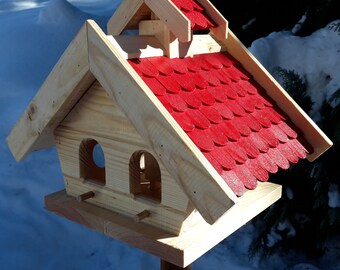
{"x": 315, "y": 58}
{"x": 334, "y": 196}
{"x": 33, "y": 36}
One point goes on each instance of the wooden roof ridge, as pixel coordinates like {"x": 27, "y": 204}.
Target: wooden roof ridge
{"x": 92, "y": 56}
{"x": 131, "y": 12}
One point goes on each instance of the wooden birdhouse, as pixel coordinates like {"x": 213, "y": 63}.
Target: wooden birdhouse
{"x": 188, "y": 123}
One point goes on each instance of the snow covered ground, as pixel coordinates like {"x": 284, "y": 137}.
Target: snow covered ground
{"x": 33, "y": 36}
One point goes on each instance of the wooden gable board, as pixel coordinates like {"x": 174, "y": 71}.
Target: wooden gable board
{"x": 124, "y": 16}
{"x": 68, "y": 80}
{"x": 172, "y": 17}
{"x": 166, "y": 11}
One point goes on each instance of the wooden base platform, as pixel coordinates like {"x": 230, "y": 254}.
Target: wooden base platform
{"x": 180, "y": 250}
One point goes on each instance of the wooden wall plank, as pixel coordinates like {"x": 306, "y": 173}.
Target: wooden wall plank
{"x": 136, "y": 46}
{"x": 161, "y": 216}
{"x": 201, "y": 183}
{"x": 314, "y": 135}
{"x": 96, "y": 116}
{"x": 67, "y": 82}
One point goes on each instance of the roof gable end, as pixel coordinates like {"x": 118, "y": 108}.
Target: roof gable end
{"x": 181, "y": 17}
{"x": 210, "y": 195}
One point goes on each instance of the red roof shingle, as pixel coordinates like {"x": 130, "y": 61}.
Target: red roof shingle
{"x": 195, "y": 14}
{"x": 229, "y": 117}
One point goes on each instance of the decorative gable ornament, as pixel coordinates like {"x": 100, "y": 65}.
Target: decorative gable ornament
{"x": 188, "y": 125}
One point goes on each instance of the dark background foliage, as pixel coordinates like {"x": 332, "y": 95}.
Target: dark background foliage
{"x": 302, "y": 219}
{"x": 269, "y": 16}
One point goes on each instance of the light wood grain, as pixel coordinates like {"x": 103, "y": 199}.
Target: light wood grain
{"x": 67, "y": 82}
{"x": 98, "y": 117}
{"x": 314, "y": 135}
{"x": 179, "y": 250}
{"x": 123, "y": 16}
{"x": 174, "y": 19}
{"x": 185, "y": 162}
{"x": 137, "y": 46}
{"x": 161, "y": 216}
{"x": 173, "y": 48}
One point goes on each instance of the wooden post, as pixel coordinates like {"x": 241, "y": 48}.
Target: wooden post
{"x": 169, "y": 266}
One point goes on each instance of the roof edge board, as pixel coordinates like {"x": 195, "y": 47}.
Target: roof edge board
{"x": 249, "y": 205}
{"x": 175, "y": 20}
{"x": 122, "y": 16}
{"x": 221, "y": 31}
{"x": 69, "y": 79}
{"x": 203, "y": 185}
{"x": 312, "y": 133}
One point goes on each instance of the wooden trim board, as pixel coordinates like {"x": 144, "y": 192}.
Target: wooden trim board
{"x": 172, "y": 17}
{"x": 180, "y": 250}
{"x": 122, "y": 16}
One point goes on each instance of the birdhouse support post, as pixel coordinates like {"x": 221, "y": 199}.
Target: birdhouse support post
{"x": 169, "y": 266}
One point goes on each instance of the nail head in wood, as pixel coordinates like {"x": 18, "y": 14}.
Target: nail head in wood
{"x": 139, "y": 217}
{"x": 85, "y": 196}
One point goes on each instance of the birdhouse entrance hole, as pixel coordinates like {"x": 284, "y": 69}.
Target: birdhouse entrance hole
{"x": 92, "y": 161}
{"x": 145, "y": 175}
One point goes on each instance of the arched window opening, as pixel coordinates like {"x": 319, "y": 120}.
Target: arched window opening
{"x": 145, "y": 176}
{"x": 92, "y": 161}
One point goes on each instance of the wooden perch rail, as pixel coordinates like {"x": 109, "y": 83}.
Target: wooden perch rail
{"x": 142, "y": 215}
{"x": 85, "y": 196}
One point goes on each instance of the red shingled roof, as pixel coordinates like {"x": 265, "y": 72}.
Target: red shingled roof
{"x": 228, "y": 116}
{"x": 195, "y": 14}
